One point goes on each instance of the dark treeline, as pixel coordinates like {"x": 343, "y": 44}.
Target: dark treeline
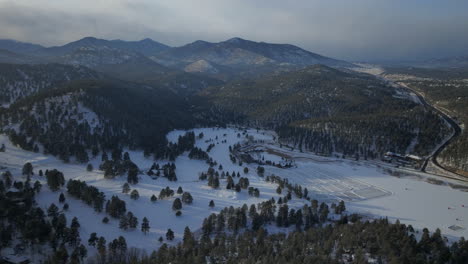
{"x": 88, "y": 194}
{"x": 236, "y": 236}
{"x": 369, "y": 136}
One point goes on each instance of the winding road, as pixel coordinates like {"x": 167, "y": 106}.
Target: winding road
{"x": 455, "y": 126}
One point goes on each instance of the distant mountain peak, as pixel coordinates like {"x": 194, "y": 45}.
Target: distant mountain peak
{"x": 87, "y": 41}
{"x": 147, "y": 40}
{"x": 199, "y": 43}
{"x": 89, "y": 38}
{"x": 236, "y": 40}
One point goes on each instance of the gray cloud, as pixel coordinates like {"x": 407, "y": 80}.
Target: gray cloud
{"x": 354, "y": 30}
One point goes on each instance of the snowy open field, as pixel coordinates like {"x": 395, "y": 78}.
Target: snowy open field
{"x": 368, "y": 190}
{"x": 364, "y": 187}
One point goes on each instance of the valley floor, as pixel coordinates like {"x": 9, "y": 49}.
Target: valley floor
{"x": 366, "y": 187}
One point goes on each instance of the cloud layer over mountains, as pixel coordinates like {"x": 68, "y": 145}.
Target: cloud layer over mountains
{"x": 352, "y": 30}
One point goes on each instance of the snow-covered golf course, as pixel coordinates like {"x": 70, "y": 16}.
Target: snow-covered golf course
{"x": 365, "y": 187}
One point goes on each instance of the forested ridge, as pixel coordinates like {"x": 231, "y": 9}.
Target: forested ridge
{"x": 326, "y": 110}
{"x": 98, "y": 115}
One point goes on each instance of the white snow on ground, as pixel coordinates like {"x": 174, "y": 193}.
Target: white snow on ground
{"x": 364, "y": 186}
{"x": 160, "y": 214}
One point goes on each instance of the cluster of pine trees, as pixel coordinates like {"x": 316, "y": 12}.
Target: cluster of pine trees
{"x": 55, "y": 179}
{"x": 116, "y": 207}
{"x": 119, "y": 165}
{"x": 23, "y": 224}
{"x": 197, "y": 153}
{"x": 88, "y": 194}
{"x": 184, "y": 143}
{"x": 166, "y": 193}
{"x": 168, "y": 171}
{"x": 284, "y": 184}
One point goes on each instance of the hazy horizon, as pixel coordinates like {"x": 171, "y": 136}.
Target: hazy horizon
{"x": 361, "y": 30}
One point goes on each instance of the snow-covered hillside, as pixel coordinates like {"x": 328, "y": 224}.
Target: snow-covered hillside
{"x": 365, "y": 187}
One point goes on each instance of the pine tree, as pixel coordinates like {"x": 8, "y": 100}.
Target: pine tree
{"x": 37, "y": 186}
{"x": 340, "y": 208}
{"x": 177, "y": 204}
{"x": 28, "y": 169}
{"x": 323, "y": 212}
{"x": 75, "y": 224}
{"x": 52, "y": 211}
{"x": 132, "y": 220}
{"x": 93, "y": 239}
{"x": 179, "y": 190}
{"x": 61, "y": 198}
{"x": 61, "y": 255}
{"x": 125, "y": 188}
{"x": 212, "y": 204}
{"x": 153, "y": 198}
{"x": 82, "y": 252}
{"x": 230, "y": 183}
{"x": 126, "y": 156}
{"x": 55, "y": 179}
{"x": 132, "y": 176}
{"x": 74, "y": 234}
{"x": 215, "y": 184}
{"x": 145, "y": 225}
{"x": 8, "y": 179}
{"x": 115, "y": 207}
{"x": 260, "y": 171}
{"x": 101, "y": 247}
{"x": 188, "y": 239}
{"x": 89, "y": 167}
{"x": 134, "y": 194}
{"x": 170, "y": 235}
{"x": 278, "y": 190}
{"x": 123, "y": 223}
{"x": 187, "y": 198}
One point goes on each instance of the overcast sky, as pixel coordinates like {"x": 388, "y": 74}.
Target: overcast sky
{"x": 345, "y": 29}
